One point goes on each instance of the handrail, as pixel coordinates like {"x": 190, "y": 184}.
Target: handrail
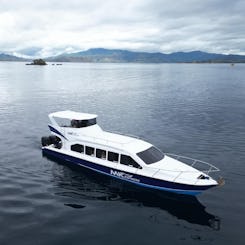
{"x": 123, "y": 134}
{"x": 211, "y": 168}
{"x": 178, "y": 173}
{"x": 101, "y": 139}
{"x": 94, "y": 138}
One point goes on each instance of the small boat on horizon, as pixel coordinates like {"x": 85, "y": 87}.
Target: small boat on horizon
{"x": 78, "y": 139}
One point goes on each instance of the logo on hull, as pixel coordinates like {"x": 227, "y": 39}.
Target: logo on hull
{"x": 124, "y": 175}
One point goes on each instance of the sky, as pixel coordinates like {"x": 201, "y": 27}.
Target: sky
{"x": 51, "y": 27}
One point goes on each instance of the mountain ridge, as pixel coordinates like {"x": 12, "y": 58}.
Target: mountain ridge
{"x": 8, "y": 57}
{"x": 102, "y": 55}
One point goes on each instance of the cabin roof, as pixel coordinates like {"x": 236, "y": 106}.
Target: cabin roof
{"x": 72, "y": 115}
{"x": 94, "y": 134}
{"x": 127, "y": 143}
{"x": 114, "y": 140}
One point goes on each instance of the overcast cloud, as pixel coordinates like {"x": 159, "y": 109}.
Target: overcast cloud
{"x": 50, "y": 27}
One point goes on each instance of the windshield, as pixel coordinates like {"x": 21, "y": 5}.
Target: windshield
{"x": 64, "y": 122}
{"x": 82, "y": 123}
{"x": 151, "y": 155}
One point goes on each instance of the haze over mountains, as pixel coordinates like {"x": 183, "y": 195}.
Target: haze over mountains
{"x": 102, "y": 55}
{"x": 7, "y": 57}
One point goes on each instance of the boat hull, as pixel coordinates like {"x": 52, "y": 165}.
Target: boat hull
{"x": 140, "y": 180}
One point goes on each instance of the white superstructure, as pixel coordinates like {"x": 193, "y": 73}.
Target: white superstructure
{"x": 80, "y": 140}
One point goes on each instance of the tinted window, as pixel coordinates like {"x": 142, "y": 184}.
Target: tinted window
{"x": 91, "y": 122}
{"x": 129, "y": 161}
{"x": 101, "y": 154}
{"x": 82, "y": 123}
{"x": 151, "y": 155}
{"x": 77, "y": 148}
{"x": 89, "y": 151}
{"x": 113, "y": 157}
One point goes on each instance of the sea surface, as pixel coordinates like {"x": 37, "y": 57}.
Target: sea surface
{"x": 197, "y": 110}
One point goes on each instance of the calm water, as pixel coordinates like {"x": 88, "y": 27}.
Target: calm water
{"x": 193, "y": 110}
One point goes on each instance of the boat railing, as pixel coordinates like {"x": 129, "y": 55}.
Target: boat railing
{"x": 123, "y": 134}
{"x": 102, "y": 139}
{"x": 205, "y": 167}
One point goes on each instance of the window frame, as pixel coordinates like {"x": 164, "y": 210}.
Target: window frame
{"x": 108, "y": 152}
{"x": 137, "y": 166}
{"x": 91, "y": 155}
{"x": 147, "y": 155}
{"x": 98, "y": 149}
{"x": 82, "y": 152}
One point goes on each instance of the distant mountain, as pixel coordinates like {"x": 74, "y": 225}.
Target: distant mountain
{"x": 7, "y": 57}
{"x": 124, "y": 56}
{"x": 120, "y": 56}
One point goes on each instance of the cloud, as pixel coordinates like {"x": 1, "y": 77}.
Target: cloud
{"x": 50, "y": 27}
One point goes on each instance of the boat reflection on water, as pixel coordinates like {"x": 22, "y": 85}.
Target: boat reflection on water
{"x": 86, "y": 184}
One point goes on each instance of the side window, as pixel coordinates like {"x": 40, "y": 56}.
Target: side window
{"x": 101, "y": 154}
{"x": 77, "y": 148}
{"x": 129, "y": 161}
{"x": 89, "y": 151}
{"x": 113, "y": 157}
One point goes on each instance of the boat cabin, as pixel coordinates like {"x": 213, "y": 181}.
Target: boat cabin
{"x": 99, "y": 144}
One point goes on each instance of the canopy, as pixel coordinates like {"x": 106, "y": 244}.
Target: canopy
{"x": 72, "y": 115}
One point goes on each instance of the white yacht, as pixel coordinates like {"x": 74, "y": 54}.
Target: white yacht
{"x": 78, "y": 139}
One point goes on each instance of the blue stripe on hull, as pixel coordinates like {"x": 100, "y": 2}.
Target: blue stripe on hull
{"x": 56, "y": 131}
{"x": 143, "y": 181}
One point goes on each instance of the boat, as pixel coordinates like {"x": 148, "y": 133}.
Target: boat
{"x": 77, "y": 139}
